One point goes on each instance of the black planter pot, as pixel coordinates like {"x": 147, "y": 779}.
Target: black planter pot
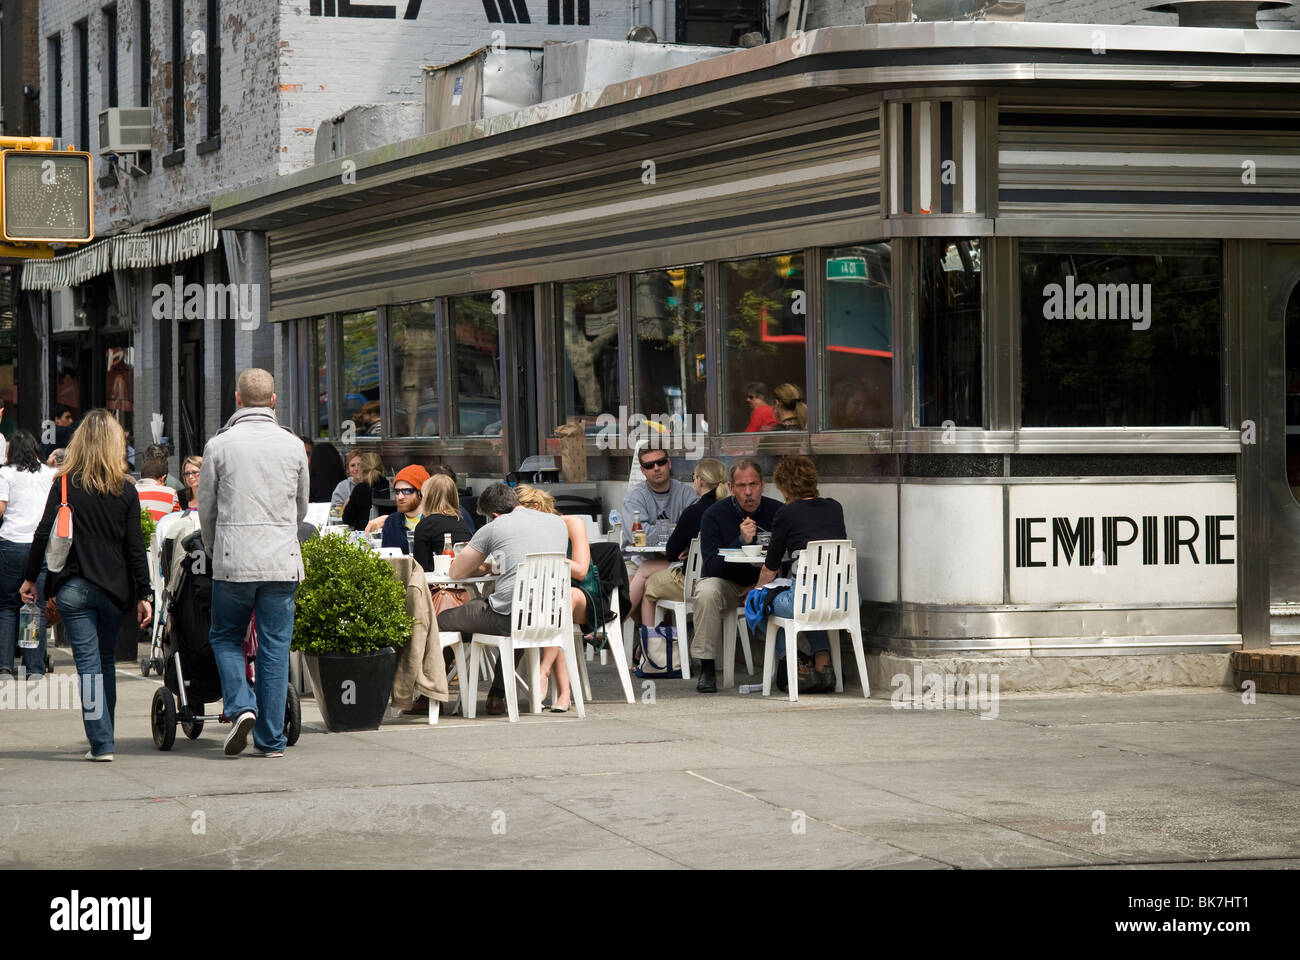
{"x": 352, "y": 689}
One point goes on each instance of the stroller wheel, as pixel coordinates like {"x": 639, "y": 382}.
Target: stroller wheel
{"x": 145, "y": 663}
{"x": 292, "y": 716}
{"x": 193, "y": 728}
{"x": 162, "y": 719}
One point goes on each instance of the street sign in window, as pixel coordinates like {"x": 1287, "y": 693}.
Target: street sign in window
{"x": 48, "y": 196}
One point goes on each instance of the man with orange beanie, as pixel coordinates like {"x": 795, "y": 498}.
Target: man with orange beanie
{"x": 399, "y": 528}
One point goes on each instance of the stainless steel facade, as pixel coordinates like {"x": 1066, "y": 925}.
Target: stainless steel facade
{"x": 797, "y": 146}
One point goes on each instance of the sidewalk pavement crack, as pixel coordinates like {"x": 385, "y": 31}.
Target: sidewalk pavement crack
{"x": 827, "y": 823}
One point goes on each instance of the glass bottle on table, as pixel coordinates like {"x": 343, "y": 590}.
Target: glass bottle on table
{"x": 638, "y": 531}
{"x": 446, "y": 545}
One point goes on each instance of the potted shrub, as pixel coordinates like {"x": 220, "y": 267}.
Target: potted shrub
{"x": 349, "y": 619}
{"x": 129, "y": 634}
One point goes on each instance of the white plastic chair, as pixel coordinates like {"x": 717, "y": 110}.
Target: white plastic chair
{"x": 451, "y": 638}
{"x": 541, "y": 615}
{"x": 615, "y": 648}
{"x": 825, "y": 598}
{"x": 681, "y": 610}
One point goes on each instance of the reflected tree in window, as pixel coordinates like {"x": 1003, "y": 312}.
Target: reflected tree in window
{"x": 589, "y": 318}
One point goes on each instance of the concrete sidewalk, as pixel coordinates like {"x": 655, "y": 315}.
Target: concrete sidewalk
{"x": 1180, "y": 778}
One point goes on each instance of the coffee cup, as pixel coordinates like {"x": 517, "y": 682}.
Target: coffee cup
{"x": 752, "y": 549}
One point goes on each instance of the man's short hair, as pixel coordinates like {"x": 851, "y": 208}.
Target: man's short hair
{"x": 154, "y": 466}
{"x": 442, "y": 468}
{"x": 758, "y": 388}
{"x": 744, "y": 463}
{"x": 158, "y": 450}
{"x": 256, "y": 387}
{"x": 59, "y": 409}
{"x": 497, "y": 498}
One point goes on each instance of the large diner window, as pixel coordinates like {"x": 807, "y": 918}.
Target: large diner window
{"x": 476, "y": 367}
{"x": 764, "y": 308}
{"x": 950, "y": 313}
{"x": 1291, "y": 326}
{"x": 323, "y": 379}
{"x": 359, "y": 373}
{"x": 668, "y": 327}
{"x": 587, "y": 314}
{"x": 857, "y": 366}
{"x": 1121, "y": 333}
{"x": 413, "y": 369}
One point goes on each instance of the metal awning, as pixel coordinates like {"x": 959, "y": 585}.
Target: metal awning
{"x": 149, "y": 248}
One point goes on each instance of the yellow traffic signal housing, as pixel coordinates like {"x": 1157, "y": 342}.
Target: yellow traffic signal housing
{"x": 46, "y": 196}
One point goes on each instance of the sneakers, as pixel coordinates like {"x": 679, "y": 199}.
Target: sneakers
{"x": 270, "y": 754}
{"x": 237, "y": 738}
{"x": 101, "y": 758}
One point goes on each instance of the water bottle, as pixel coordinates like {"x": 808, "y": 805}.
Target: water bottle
{"x": 29, "y": 626}
{"x": 410, "y": 542}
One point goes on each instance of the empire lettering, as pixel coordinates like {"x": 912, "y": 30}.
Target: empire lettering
{"x": 1168, "y": 540}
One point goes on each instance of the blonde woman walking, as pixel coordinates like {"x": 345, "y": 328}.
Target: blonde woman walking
{"x": 105, "y": 572}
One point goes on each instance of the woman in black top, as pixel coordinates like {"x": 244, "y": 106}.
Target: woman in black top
{"x": 441, "y": 517}
{"x": 710, "y": 482}
{"x": 105, "y": 572}
{"x": 373, "y": 483}
{"x": 804, "y": 518}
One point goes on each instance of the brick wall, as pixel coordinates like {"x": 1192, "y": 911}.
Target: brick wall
{"x": 328, "y": 64}
{"x": 249, "y": 102}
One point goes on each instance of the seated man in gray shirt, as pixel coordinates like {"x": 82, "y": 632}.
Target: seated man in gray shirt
{"x": 510, "y": 534}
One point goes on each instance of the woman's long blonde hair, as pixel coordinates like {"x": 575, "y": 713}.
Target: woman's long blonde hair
{"x": 96, "y": 457}
{"x": 535, "y": 499}
{"x": 372, "y": 468}
{"x": 440, "y": 497}
{"x": 714, "y": 473}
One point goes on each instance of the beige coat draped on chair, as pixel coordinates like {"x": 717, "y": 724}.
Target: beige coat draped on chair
{"x": 420, "y": 666}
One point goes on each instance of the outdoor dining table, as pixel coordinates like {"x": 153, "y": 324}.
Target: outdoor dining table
{"x": 478, "y": 584}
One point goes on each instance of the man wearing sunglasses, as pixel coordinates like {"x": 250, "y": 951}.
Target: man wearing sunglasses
{"x": 660, "y": 500}
{"x": 406, "y": 491}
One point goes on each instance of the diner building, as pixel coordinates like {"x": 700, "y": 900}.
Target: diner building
{"x": 1039, "y": 285}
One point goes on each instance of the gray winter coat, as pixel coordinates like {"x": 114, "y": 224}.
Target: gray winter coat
{"x": 254, "y": 483}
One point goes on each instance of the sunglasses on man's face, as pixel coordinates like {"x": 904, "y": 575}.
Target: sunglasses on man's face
{"x": 656, "y": 463}
{"x": 404, "y": 491}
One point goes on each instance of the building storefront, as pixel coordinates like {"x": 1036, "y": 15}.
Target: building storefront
{"x": 1027, "y": 312}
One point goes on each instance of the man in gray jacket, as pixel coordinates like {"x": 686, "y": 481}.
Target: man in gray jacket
{"x": 255, "y": 485}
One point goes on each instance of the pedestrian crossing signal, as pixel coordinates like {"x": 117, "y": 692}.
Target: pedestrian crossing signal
{"x": 47, "y": 196}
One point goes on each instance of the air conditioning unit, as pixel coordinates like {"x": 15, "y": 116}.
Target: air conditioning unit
{"x": 64, "y": 312}
{"x": 124, "y": 130}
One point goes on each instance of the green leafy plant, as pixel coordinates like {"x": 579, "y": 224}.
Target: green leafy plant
{"x": 349, "y": 601}
{"x": 147, "y": 527}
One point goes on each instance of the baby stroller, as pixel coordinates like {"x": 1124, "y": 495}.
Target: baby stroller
{"x": 189, "y": 668}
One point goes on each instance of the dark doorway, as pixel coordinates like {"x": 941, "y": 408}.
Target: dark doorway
{"x": 520, "y": 352}
{"x": 190, "y": 389}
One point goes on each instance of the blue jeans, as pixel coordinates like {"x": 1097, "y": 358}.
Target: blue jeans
{"x": 13, "y": 562}
{"x": 783, "y": 606}
{"x": 91, "y": 621}
{"x": 233, "y": 604}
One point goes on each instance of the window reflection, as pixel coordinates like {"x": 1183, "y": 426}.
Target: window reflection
{"x": 323, "y": 384}
{"x": 413, "y": 347}
{"x": 477, "y": 365}
{"x": 763, "y": 311}
{"x": 1121, "y": 333}
{"x": 360, "y": 386}
{"x": 668, "y": 321}
{"x": 588, "y": 313}
{"x": 950, "y": 382}
{"x": 858, "y": 362}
